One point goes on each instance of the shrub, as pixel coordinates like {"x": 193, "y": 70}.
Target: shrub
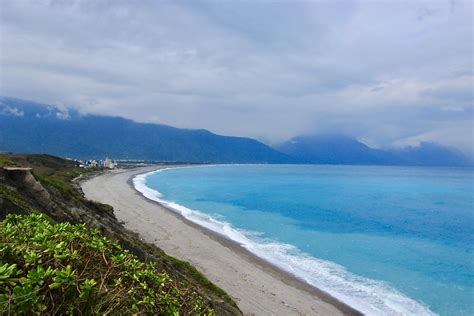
{"x": 48, "y": 268}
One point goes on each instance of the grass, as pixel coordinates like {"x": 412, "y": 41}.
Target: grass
{"x": 202, "y": 280}
{"x": 51, "y": 171}
{"x": 15, "y": 198}
{"x": 49, "y": 268}
{"x": 61, "y": 181}
{"x": 179, "y": 265}
{"x": 5, "y": 161}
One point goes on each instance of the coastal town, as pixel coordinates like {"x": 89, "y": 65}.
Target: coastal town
{"x": 93, "y": 163}
{"x": 109, "y": 163}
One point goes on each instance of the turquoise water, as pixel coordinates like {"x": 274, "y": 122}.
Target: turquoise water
{"x": 386, "y": 240}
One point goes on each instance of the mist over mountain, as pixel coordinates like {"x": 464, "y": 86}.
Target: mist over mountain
{"x": 338, "y": 149}
{"x": 28, "y": 127}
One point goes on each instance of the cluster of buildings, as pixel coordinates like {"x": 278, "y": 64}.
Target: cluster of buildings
{"x": 101, "y": 164}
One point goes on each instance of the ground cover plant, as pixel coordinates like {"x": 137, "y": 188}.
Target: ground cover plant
{"x": 60, "y": 268}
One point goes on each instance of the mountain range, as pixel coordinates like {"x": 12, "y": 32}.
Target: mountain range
{"x": 29, "y": 127}
{"x": 339, "y": 149}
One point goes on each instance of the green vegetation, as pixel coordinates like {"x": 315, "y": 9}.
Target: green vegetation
{"x": 49, "y": 170}
{"x": 201, "y": 279}
{"x": 62, "y": 201}
{"x": 61, "y": 181}
{"x": 185, "y": 267}
{"x": 15, "y": 198}
{"x": 49, "y": 268}
{"x": 5, "y": 161}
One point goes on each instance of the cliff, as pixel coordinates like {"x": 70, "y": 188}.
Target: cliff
{"x": 44, "y": 184}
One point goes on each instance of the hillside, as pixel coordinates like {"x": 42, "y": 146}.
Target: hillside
{"x": 338, "y": 149}
{"x": 28, "y": 127}
{"x": 68, "y": 268}
{"x": 42, "y": 185}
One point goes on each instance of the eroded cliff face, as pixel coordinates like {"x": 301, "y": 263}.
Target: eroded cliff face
{"x": 22, "y": 193}
{"x": 11, "y": 200}
{"x": 23, "y": 181}
{"x": 51, "y": 202}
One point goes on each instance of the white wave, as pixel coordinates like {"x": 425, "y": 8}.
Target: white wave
{"x": 371, "y": 297}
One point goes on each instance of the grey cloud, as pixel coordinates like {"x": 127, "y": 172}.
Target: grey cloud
{"x": 11, "y": 111}
{"x": 391, "y": 73}
{"x": 459, "y": 92}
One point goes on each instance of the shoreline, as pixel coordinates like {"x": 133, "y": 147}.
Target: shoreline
{"x": 269, "y": 267}
{"x": 276, "y": 290}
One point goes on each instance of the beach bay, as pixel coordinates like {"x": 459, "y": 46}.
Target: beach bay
{"x": 257, "y": 287}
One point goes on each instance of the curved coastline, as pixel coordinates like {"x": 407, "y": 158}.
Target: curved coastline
{"x": 258, "y": 287}
{"x": 388, "y": 301}
{"x": 231, "y": 238}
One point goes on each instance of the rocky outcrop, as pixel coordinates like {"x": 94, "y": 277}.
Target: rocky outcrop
{"x": 24, "y": 181}
{"x": 52, "y": 203}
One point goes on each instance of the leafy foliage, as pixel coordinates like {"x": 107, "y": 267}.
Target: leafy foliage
{"x": 49, "y": 268}
{"x": 56, "y": 175}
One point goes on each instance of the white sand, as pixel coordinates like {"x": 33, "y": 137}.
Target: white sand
{"x": 257, "y": 287}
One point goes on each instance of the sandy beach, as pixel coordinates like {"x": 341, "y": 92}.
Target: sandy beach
{"x": 258, "y": 287}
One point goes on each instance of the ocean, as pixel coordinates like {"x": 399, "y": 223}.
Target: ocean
{"x": 385, "y": 240}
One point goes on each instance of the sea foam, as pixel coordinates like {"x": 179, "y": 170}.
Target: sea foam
{"x": 371, "y": 297}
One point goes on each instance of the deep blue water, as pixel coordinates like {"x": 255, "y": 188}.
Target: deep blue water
{"x": 386, "y": 240}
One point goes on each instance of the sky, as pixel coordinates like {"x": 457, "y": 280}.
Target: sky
{"x": 389, "y": 73}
